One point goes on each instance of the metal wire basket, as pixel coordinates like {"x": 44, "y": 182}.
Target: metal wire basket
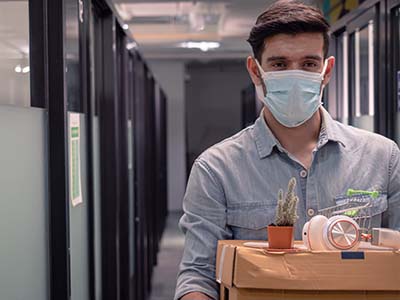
{"x": 359, "y": 208}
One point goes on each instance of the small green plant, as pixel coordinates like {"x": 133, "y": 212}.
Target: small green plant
{"x": 286, "y": 210}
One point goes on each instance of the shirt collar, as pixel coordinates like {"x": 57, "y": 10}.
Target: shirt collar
{"x": 330, "y": 131}
{"x": 263, "y": 136}
{"x": 266, "y": 141}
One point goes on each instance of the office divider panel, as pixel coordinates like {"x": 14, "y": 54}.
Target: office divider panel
{"x": 140, "y": 181}
{"x": 124, "y": 231}
{"x": 24, "y": 272}
{"x": 97, "y": 203}
{"x": 131, "y": 169}
{"x": 94, "y": 91}
{"x": 78, "y": 223}
{"x": 24, "y": 235}
{"x": 78, "y": 213}
{"x": 161, "y": 206}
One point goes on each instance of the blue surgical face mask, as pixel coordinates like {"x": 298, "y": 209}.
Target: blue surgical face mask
{"x": 292, "y": 96}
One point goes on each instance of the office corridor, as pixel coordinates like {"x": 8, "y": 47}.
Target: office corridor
{"x": 171, "y": 248}
{"x": 105, "y": 105}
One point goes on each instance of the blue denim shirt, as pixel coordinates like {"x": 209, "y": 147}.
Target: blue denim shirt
{"x": 233, "y": 187}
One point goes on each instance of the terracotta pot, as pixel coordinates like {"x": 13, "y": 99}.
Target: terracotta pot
{"x": 280, "y": 237}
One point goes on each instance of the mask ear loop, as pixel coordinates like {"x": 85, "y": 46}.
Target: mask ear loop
{"x": 322, "y": 80}
{"x": 261, "y": 74}
{"x": 260, "y": 69}
{"x": 324, "y": 69}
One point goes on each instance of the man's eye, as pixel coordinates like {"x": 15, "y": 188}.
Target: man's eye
{"x": 279, "y": 65}
{"x": 310, "y": 65}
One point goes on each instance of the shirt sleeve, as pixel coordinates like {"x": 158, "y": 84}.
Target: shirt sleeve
{"x": 203, "y": 223}
{"x": 394, "y": 189}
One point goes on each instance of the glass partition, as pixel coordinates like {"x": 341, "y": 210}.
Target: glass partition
{"x": 94, "y": 47}
{"x": 24, "y": 250}
{"x": 14, "y": 53}
{"x": 78, "y": 183}
{"x": 363, "y": 81}
{"x": 342, "y": 75}
{"x": 78, "y": 218}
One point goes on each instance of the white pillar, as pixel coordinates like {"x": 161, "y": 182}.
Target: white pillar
{"x": 170, "y": 75}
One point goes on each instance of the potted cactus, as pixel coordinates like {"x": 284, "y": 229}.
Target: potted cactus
{"x": 281, "y": 233}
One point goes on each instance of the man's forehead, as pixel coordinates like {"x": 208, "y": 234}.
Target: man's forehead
{"x": 297, "y": 46}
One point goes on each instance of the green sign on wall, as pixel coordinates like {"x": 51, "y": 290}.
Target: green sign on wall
{"x": 75, "y": 188}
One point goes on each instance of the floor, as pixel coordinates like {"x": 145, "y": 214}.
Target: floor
{"x": 169, "y": 257}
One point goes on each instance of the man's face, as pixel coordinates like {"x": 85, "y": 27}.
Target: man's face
{"x": 303, "y": 51}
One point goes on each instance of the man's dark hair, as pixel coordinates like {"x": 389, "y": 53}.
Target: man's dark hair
{"x": 288, "y": 17}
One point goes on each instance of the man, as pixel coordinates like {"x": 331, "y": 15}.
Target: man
{"x": 233, "y": 187}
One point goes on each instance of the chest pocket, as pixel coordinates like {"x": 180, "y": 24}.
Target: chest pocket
{"x": 250, "y": 222}
{"x": 379, "y": 206}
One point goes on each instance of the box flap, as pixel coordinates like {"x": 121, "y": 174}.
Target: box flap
{"x": 225, "y": 262}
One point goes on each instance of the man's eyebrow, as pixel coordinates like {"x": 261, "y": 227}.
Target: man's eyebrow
{"x": 274, "y": 58}
{"x": 316, "y": 57}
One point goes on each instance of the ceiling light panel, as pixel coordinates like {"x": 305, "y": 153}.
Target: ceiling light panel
{"x": 131, "y": 10}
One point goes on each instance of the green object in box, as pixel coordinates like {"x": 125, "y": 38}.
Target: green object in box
{"x": 373, "y": 194}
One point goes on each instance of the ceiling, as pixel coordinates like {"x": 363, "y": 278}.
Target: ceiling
{"x": 161, "y": 27}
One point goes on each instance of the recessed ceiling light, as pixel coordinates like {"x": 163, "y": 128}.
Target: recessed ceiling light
{"x": 203, "y": 46}
{"x": 125, "y": 27}
{"x": 18, "y": 69}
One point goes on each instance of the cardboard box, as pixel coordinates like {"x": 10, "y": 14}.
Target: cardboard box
{"x": 254, "y": 274}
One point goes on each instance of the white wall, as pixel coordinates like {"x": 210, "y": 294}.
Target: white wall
{"x": 170, "y": 75}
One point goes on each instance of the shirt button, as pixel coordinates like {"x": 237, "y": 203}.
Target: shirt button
{"x": 303, "y": 173}
{"x": 310, "y": 212}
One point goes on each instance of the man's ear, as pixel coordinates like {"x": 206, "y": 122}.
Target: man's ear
{"x": 329, "y": 69}
{"x": 253, "y": 71}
